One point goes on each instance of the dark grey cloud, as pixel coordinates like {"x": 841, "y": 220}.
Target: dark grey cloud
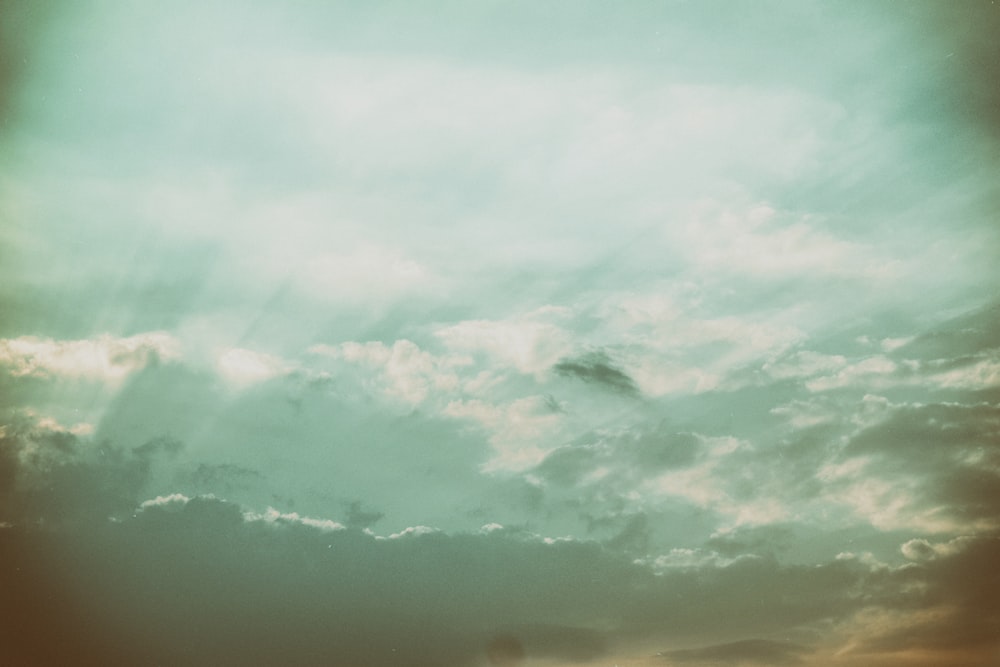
{"x": 202, "y": 582}
{"x": 598, "y": 369}
{"x": 745, "y": 652}
{"x": 53, "y": 476}
{"x": 223, "y": 479}
{"x": 963, "y": 587}
{"x": 357, "y": 516}
{"x": 197, "y": 584}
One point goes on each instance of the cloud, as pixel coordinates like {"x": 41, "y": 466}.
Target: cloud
{"x": 273, "y": 516}
{"x": 879, "y": 372}
{"x": 358, "y": 517}
{"x": 337, "y": 595}
{"x": 404, "y": 372}
{"x": 531, "y": 343}
{"x": 105, "y": 359}
{"x": 223, "y": 479}
{"x": 761, "y": 242}
{"x": 421, "y": 599}
{"x": 752, "y": 539}
{"x": 380, "y": 268}
{"x": 242, "y": 368}
{"x": 340, "y": 593}
{"x": 632, "y": 453}
{"x": 519, "y": 430}
{"x": 966, "y": 334}
{"x": 673, "y": 348}
{"x": 930, "y": 466}
{"x": 597, "y": 368}
{"x": 869, "y": 371}
{"x": 174, "y": 499}
{"x": 802, "y": 364}
{"x": 746, "y": 652}
{"x": 953, "y": 594}
{"x": 56, "y": 477}
{"x": 919, "y": 549}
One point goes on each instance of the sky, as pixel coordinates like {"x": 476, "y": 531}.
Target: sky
{"x": 500, "y": 333}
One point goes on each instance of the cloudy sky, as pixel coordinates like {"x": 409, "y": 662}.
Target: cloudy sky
{"x": 500, "y": 333}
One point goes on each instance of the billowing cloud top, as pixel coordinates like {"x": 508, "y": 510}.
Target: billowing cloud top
{"x": 499, "y": 334}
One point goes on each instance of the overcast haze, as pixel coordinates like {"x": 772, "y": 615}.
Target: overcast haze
{"x": 500, "y": 333}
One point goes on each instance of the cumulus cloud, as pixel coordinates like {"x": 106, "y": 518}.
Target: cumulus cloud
{"x": 530, "y": 344}
{"x": 105, "y": 359}
{"x": 519, "y": 430}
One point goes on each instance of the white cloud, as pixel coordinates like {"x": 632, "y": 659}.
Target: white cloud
{"x": 242, "y": 368}
{"x": 105, "y": 358}
{"x": 412, "y": 531}
{"x": 805, "y": 413}
{"x": 274, "y": 517}
{"x": 403, "y": 371}
{"x": 171, "y": 500}
{"x": 531, "y": 343}
{"x": 804, "y": 363}
{"x": 668, "y": 348}
{"x": 920, "y": 549}
{"x": 763, "y": 242}
{"x": 51, "y": 425}
{"x": 880, "y": 372}
{"x": 684, "y": 558}
{"x": 871, "y": 372}
{"x": 890, "y": 344}
{"x": 982, "y": 374}
{"x": 886, "y": 504}
{"x": 521, "y": 431}
{"x": 658, "y": 377}
{"x": 708, "y": 485}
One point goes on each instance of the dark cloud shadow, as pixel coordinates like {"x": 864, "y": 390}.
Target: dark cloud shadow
{"x": 747, "y": 652}
{"x": 596, "y": 368}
